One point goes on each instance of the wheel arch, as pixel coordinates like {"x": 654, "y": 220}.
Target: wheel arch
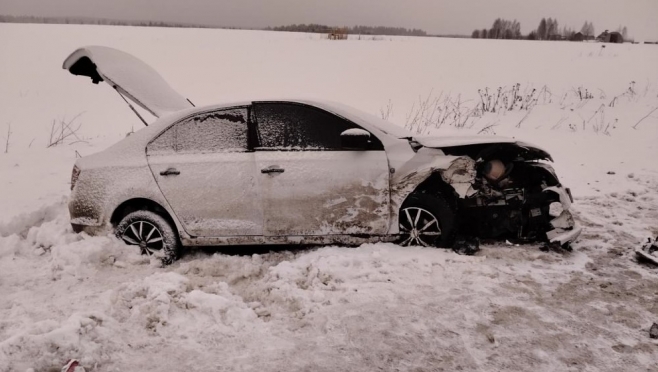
{"x": 135, "y": 204}
{"x": 437, "y": 206}
{"x": 434, "y": 184}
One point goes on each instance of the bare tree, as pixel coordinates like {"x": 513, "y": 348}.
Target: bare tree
{"x": 542, "y": 30}
{"x": 505, "y": 29}
{"x": 585, "y": 29}
{"x": 568, "y": 33}
{"x": 475, "y": 34}
{"x": 496, "y": 30}
{"x": 551, "y": 27}
{"x": 516, "y": 29}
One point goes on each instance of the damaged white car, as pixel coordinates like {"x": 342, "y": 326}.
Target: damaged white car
{"x": 300, "y": 172}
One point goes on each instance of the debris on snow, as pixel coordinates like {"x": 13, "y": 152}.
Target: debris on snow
{"x": 73, "y": 365}
{"x": 648, "y": 251}
{"x": 653, "y": 332}
{"x": 120, "y": 264}
{"x": 467, "y": 246}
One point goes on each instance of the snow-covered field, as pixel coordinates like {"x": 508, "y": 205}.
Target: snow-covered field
{"x": 376, "y": 307}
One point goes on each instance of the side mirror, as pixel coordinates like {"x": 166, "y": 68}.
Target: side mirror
{"x": 355, "y": 139}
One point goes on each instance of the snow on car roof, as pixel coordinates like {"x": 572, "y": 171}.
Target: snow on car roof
{"x": 345, "y": 111}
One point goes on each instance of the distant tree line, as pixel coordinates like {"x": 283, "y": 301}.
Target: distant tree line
{"x": 95, "y": 21}
{"x": 501, "y": 29}
{"x": 382, "y": 30}
{"x": 548, "y": 29}
{"x": 362, "y": 30}
{"x": 315, "y": 28}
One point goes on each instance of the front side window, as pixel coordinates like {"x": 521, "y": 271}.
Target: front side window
{"x": 289, "y": 126}
{"x": 217, "y": 131}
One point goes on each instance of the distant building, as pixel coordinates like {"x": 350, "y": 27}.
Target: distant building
{"x": 556, "y": 37}
{"x": 610, "y": 37}
{"x": 338, "y": 34}
{"x": 578, "y": 36}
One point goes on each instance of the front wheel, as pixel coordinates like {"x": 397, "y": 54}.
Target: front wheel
{"x": 151, "y": 233}
{"x": 426, "y": 220}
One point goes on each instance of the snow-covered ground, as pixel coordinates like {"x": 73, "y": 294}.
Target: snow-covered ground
{"x": 376, "y": 307}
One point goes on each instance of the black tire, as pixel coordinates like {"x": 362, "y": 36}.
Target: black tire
{"x": 416, "y": 215}
{"x": 152, "y": 233}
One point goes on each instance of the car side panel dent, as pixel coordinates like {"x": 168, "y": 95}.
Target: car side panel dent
{"x": 456, "y": 171}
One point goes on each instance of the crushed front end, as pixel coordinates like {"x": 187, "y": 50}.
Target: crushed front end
{"x": 519, "y": 200}
{"x": 507, "y": 190}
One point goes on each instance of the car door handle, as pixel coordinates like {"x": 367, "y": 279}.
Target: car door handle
{"x": 170, "y": 172}
{"x": 272, "y": 169}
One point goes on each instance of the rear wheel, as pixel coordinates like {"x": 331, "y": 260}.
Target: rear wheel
{"x": 151, "y": 233}
{"x": 426, "y": 220}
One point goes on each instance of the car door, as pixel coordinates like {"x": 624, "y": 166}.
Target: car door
{"x": 206, "y": 171}
{"x": 309, "y": 184}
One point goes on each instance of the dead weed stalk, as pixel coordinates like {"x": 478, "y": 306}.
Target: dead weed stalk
{"x": 63, "y": 130}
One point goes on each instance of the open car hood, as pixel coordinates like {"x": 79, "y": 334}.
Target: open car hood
{"x": 129, "y": 76}
{"x": 531, "y": 152}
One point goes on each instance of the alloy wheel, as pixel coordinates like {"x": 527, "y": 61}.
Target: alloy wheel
{"x": 418, "y": 227}
{"x": 145, "y": 235}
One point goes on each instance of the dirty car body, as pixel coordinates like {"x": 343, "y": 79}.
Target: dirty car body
{"x": 299, "y": 171}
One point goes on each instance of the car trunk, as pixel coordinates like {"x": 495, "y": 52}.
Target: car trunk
{"x": 129, "y": 76}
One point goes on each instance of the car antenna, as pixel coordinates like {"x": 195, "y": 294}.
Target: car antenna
{"x": 131, "y": 106}
{"x": 188, "y": 100}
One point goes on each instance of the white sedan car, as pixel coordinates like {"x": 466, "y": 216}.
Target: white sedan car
{"x": 300, "y": 172}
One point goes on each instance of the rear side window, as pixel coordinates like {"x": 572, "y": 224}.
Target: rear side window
{"x": 218, "y": 131}
{"x": 289, "y": 126}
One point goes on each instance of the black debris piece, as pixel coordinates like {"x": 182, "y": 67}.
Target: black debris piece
{"x": 467, "y": 246}
{"x": 648, "y": 252}
{"x": 653, "y": 332}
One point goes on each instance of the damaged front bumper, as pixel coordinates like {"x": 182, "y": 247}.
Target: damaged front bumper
{"x": 565, "y": 229}
{"x": 564, "y": 236}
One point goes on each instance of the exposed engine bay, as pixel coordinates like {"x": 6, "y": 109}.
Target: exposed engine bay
{"x": 514, "y": 196}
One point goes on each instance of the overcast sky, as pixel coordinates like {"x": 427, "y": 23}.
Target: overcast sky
{"x": 434, "y": 16}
